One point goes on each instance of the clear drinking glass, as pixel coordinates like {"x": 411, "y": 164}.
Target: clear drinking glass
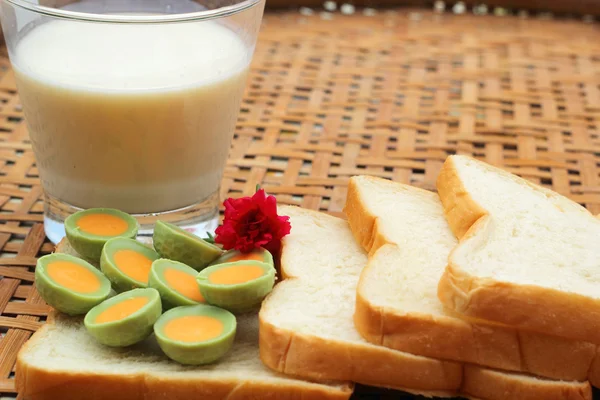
{"x": 131, "y": 104}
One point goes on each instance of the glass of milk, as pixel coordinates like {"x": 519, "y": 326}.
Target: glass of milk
{"x": 131, "y": 104}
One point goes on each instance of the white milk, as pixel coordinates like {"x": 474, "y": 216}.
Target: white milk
{"x": 135, "y": 117}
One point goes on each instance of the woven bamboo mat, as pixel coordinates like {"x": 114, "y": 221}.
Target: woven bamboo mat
{"x": 330, "y": 96}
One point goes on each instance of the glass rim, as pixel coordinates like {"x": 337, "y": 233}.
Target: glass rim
{"x": 133, "y": 19}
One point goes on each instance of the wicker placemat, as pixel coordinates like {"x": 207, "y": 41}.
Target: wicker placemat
{"x": 330, "y": 96}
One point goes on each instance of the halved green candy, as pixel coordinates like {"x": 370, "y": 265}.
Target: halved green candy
{"x": 125, "y": 319}
{"x": 89, "y": 230}
{"x": 260, "y": 255}
{"x": 238, "y": 286}
{"x": 70, "y": 284}
{"x": 195, "y": 335}
{"x": 126, "y": 263}
{"x": 174, "y": 243}
{"x": 176, "y": 283}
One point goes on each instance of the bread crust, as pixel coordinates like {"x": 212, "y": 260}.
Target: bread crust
{"x": 459, "y": 208}
{"x": 594, "y": 375}
{"x": 506, "y": 302}
{"x": 489, "y": 384}
{"x": 43, "y": 384}
{"x": 362, "y": 224}
{"x": 452, "y": 337}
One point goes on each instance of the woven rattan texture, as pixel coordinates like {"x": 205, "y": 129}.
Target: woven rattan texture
{"x": 330, "y": 96}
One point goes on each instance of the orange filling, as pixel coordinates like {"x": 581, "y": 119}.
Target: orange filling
{"x": 102, "y": 224}
{"x": 133, "y": 264}
{"x": 73, "y": 276}
{"x": 121, "y": 310}
{"x": 183, "y": 283}
{"x": 235, "y": 274}
{"x": 193, "y": 328}
{"x": 253, "y": 256}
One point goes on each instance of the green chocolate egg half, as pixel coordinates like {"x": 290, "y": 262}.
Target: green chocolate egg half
{"x": 125, "y": 319}
{"x": 176, "y": 283}
{"x": 126, "y": 263}
{"x": 195, "y": 335}
{"x": 174, "y": 243}
{"x": 69, "y": 284}
{"x": 238, "y": 286}
{"x": 89, "y": 230}
{"x": 260, "y": 255}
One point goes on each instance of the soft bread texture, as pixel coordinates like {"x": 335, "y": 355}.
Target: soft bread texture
{"x": 306, "y": 326}
{"x": 61, "y": 361}
{"x": 404, "y": 230}
{"x": 528, "y": 257}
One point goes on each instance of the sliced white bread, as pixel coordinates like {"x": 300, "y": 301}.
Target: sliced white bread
{"x": 404, "y": 230}
{"x": 528, "y": 257}
{"x": 306, "y": 326}
{"x": 62, "y": 361}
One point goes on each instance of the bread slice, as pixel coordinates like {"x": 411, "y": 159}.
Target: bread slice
{"x": 404, "y": 230}
{"x": 528, "y": 257}
{"x": 61, "y": 361}
{"x": 306, "y": 326}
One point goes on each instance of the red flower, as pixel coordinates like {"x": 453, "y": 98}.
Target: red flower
{"x": 252, "y": 222}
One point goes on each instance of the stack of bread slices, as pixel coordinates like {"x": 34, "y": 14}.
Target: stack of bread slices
{"x": 488, "y": 289}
